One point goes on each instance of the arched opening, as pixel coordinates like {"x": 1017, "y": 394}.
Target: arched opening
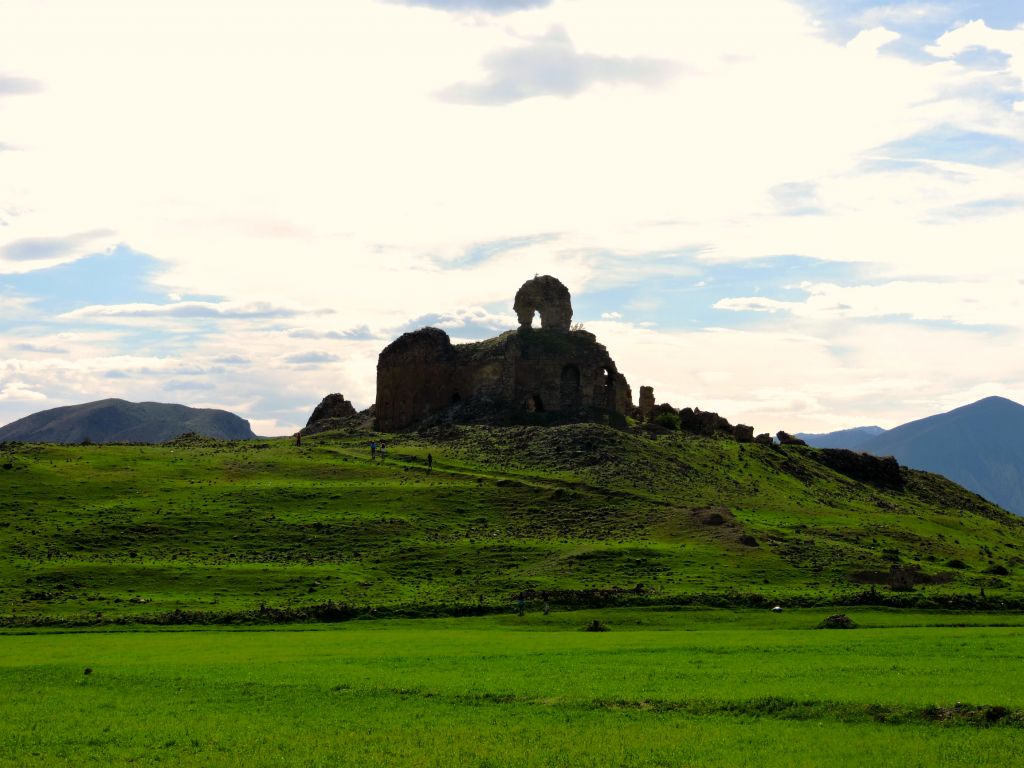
{"x": 570, "y": 389}
{"x": 609, "y": 389}
{"x": 534, "y": 404}
{"x": 456, "y": 398}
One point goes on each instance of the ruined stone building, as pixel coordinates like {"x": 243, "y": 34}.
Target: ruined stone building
{"x": 552, "y": 372}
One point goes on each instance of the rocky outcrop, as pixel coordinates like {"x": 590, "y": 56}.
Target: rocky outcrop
{"x": 764, "y": 439}
{"x": 548, "y": 297}
{"x": 743, "y": 433}
{"x": 883, "y": 472}
{"x": 703, "y": 422}
{"x": 334, "y": 406}
{"x": 787, "y": 439}
{"x": 551, "y": 373}
{"x": 646, "y": 403}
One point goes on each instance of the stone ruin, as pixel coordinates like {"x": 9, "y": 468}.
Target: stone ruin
{"x": 333, "y": 406}
{"x": 551, "y": 373}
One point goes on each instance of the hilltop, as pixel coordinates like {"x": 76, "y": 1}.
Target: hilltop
{"x": 119, "y": 421}
{"x": 574, "y": 510}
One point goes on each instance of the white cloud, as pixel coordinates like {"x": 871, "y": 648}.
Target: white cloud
{"x": 303, "y": 163}
{"x": 869, "y": 41}
{"x": 808, "y": 375}
{"x": 16, "y": 390}
{"x": 962, "y": 302}
{"x": 180, "y": 309}
{"x": 977, "y": 34}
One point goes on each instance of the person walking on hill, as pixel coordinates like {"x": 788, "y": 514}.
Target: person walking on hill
{"x": 430, "y": 463}
{"x": 373, "y": 450}
{"x": 383, "y": 450}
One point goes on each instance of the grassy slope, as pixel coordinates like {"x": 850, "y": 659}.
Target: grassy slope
{"x": 662, "y": 688}
{"x": 227, "y": 526}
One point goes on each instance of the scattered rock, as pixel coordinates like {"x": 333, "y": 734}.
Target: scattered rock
{"x": 837, "y": 621}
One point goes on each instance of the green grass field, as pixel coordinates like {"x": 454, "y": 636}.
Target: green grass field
{"x": 118, "y": 531}
{"x": 121, "y": 538}
{"x": 661, "y": 688}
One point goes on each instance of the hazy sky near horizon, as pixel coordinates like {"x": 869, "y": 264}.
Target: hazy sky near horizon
{"x": 805, "y": 215}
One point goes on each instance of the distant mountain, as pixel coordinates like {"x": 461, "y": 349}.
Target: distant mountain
{"x": 980, "y": 446}
{"x": 118, "y": 421}
{"x": 851, "y": 439}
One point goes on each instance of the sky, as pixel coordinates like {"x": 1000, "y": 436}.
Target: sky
{"x": 804, "y": 215}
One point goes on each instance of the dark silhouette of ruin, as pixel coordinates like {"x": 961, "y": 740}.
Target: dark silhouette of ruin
{"x": 551, "y": 373}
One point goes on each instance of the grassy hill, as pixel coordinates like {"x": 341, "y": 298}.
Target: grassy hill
{"x": 203, "y": 525}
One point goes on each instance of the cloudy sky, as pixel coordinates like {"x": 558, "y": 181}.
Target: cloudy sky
{"x": 805, "y": 215}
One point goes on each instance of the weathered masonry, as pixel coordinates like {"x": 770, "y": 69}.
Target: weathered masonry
{"x": 548, "y": 370}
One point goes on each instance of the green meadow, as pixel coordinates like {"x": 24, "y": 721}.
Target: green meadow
{"x": 262, "y": 603}
{"x": 115, "y": 532}
{"x": 659, "y": 688}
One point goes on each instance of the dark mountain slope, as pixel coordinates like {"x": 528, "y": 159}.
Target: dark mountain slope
{"x": 980, "y": 446}
{"x": 118, "y": 421}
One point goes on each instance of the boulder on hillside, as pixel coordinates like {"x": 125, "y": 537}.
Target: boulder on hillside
{"x": 838, "y": 621}
{"x": 787, "y": 439}
{"x": 334, "y": 406}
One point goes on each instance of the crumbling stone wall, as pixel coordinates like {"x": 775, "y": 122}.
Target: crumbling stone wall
{"x": 547, "y": 370}
{"x": 646, "y": 403}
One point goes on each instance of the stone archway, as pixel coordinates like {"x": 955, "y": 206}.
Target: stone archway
{"x": 547, "y": 296}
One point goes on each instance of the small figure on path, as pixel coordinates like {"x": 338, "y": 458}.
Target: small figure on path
{"x": 298, "y": 438}
{"x": 430, "y": 463}
{"x": 522, "y": 604}
{"x": 383, "y": 450}
{"x": 373, "y": 450}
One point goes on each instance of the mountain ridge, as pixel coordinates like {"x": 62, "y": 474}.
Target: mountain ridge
{"x": 979, "y": 446}
{"x": 849, "y": 439}
{"x": 114, "y": 420}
